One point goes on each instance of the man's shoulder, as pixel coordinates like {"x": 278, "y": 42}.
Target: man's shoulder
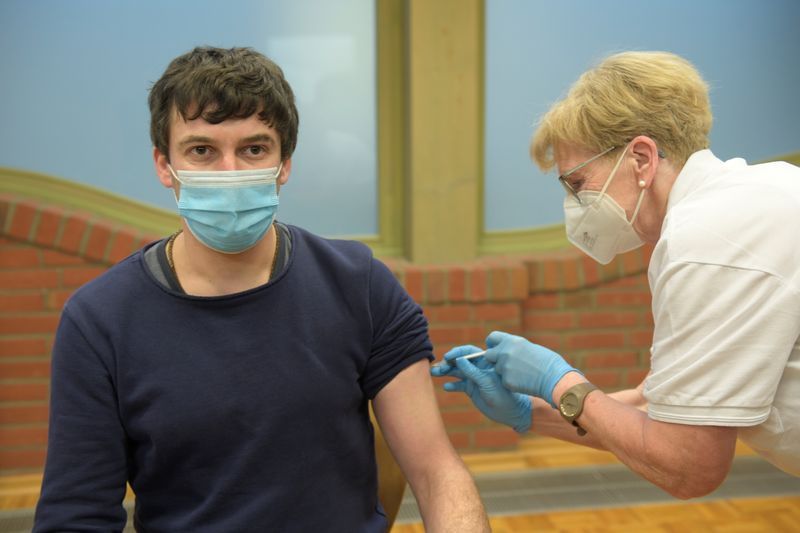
{"x": 115, "y": 281}
{"x": 346, "y": 250}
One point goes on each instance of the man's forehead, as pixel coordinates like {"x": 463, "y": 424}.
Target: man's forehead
{"x": 260, "y": 128}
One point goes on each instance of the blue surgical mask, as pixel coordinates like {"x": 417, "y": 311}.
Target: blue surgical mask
{"x": 228, "y": 211}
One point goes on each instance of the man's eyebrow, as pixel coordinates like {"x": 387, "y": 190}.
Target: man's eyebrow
{"x": 260, "y": 137}
{"x": 192, "y": 139}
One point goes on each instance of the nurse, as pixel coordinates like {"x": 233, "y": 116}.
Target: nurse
{"x": 630, "y": 144}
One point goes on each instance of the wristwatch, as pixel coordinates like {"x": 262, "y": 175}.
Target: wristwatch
{"x": 571, "y": 403}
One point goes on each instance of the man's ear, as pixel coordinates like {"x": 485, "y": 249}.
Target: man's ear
{"x": 162, "y": 170}
{"x": 286, "y": 169}
{"x": 645, "y": 153}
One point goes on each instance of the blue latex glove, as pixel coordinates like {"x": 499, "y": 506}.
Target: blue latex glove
{"x": 525, "y": 367}
{"x": 482, "y": 384}
{"x": 448, "y": 365}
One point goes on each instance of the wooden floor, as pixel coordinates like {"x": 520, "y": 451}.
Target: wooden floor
{"x": 751, "y": 515}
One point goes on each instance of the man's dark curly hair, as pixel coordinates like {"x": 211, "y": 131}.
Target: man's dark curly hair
{"x": 217, "y": 84}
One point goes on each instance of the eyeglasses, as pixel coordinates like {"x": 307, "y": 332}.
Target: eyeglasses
{"x": 571, "y": 190}
{"x": 563, "y": 177}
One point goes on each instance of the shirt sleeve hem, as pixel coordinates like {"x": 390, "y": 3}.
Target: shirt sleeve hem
{"x": 708, "y": 416}
{"x": 372, "y": 389}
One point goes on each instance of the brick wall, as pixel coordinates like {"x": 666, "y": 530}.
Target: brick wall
{"x": 598, "y": 317}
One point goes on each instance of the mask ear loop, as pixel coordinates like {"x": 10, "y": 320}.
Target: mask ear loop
{"x": 613, "y": 172}
{"x": 638, "y": 205}
{"x": 176, "y": 178}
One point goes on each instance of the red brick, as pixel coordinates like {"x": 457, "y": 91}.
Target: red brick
{"x": 452, "y": 313}
{"x": 591, "y": 271}
{"x": 414, "y": 284}
{"x": 553, "y": 320}
{"x": 24, "y": 369}
{"x": 435, "y": 286}
{"x": 24, "y": 391}
{"x": 121, "y": 246}
{"x": 623, "y": 299}
{"x": 496, "y": 438}
{"x": 469, "y": 417}
{"x": 23, "y": 324}
{"x": 22, "y": 458}
{"x": 611, "y": 360}
{"x": 23, "y": 435}
{"x": 579, "y": 300}
{"x": 643, "y": 339}
{"x": 635, "y": 376}
{"x": 49, "y": 226}
{"x": 597, "y": 340}
{"x": 449, "y": 334}
{"x": 75, "y": 277}
{"x": 19, "y": 257}
{"x": 500, "y": 283}
{"x": 570, "y": 274}
{"x": 72, "y": 237}
{"x": 23, "y": 414}
{"x": 554, "y": 342}
{"x": 519, "y": 283}
{"x": 22, "y": 347}
{"x": 497, "y": 312}
{"x": 607, "y": 319}
{"x": 140, "y": 242}
{"x": 605, "y": 379}
{"x": 611, "y": 271}
{"x": 478, "y": 284}
{"x": 23, "y": 216}
{"x": 448, "y": 400}
{"x": 5, "y": 209}
{"x": 456, "y": 284}
{"x": 543, "y": 301}
{"x": 28, "y": 301}
{"x": 57, "y": 298}
{"x": 54, "y": 258}
{"x": 459, "y": 439}
{"x": 551, "y": 275}
{"x": 28, "y": 279}
{"x": 629, "y": 282}
{"x": 98, "y": 242}
{"x": 632, "y": 262}
{"x": 534, "y": 275}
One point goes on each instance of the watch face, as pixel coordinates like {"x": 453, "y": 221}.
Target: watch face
{"x": 569, "y": 405}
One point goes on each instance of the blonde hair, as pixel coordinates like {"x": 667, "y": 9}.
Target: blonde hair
{"x": 657, "y": 94}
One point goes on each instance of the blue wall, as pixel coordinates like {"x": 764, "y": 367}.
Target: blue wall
{"x": 76, "y": 74}
{"x": 748, "y": 50}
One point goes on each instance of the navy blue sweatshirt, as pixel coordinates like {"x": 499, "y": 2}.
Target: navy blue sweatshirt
{"x": 246, "y": 412}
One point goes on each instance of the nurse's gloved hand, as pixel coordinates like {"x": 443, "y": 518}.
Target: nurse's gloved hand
{"x": 525, "y": 367}
{"x": 484, "y": 388}
{"x": 448, "y": 366}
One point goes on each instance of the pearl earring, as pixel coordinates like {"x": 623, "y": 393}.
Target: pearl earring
{"x": 642, "y": 183}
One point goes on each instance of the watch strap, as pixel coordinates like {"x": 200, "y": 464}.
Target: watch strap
{"x": 579, "y": 391}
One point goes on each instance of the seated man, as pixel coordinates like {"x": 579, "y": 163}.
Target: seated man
{"x": 225, "y": 371}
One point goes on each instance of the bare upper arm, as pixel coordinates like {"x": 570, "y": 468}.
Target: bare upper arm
{"x": 409, "y": 416}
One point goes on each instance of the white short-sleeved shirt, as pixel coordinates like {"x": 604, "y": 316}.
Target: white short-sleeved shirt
{"x": 725, "y": 281}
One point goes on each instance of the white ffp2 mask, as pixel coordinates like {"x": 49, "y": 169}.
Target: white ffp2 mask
{"x": 598, "y": 226}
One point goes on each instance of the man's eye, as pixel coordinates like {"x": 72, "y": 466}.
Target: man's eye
{"x": 255, "y": 150}
{"x": 200, "y": 150}
{"x": 576, "y": 184}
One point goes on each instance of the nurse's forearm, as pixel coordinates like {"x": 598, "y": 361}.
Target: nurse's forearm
{"x": 686, "y": 461}
{"x": 549, "y": 422}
